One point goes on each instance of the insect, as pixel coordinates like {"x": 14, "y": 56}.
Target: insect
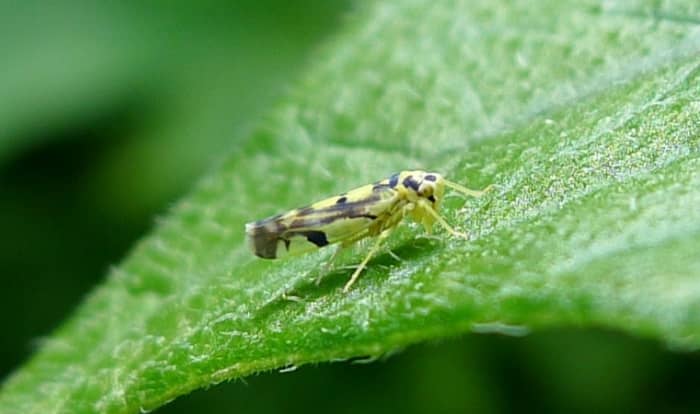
{"x": 370, "y": 210}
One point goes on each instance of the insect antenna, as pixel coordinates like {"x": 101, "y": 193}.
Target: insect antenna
{"x": 464, "y": 190}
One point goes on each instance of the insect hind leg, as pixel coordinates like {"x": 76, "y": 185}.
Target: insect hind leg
{"x": 375, "y": 248}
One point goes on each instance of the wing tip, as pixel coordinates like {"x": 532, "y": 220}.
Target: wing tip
{"x": 261, "y": 240}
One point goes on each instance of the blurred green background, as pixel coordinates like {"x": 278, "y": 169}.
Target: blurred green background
{"x": 109, "y": 112}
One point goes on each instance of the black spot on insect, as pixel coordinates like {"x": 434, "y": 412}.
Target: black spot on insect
{"x": 330, "y": 219}
{"x": 369, "y": 216}
{"x": 379, "y": 185}
{"x": 431, "y": 198}
{"x": 430, "y": 177}
{"x": 409, "y": 182}
{"x": 341, "y": 200}
{"x": 393, "y": 180}
{"x": 305, "y": 211}
{"x": 316, "y": 237}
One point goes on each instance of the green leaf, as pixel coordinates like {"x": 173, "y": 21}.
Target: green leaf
{"x": 585, "y": 116}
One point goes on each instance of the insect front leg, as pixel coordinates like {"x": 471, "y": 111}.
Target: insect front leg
{"x": 375, "y": 248}
{"x": 426, "y": 207}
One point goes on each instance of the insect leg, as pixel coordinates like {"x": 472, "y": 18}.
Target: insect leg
{"x": 442, "y": 221}
{"x": 341, "y": 247}
{"x": 361, "y": 266}
{"x": 394, "y": 255}
{"x": 326, "y": 266}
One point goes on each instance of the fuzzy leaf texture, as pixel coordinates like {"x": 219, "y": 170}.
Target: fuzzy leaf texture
{"x": 584, "y": 114}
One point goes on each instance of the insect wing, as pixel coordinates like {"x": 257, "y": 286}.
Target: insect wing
{"x": 348, "y": 217}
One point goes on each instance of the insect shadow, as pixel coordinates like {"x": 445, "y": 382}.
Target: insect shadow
{"x": 377, "y": 268}
{"x": 306, "y": 291}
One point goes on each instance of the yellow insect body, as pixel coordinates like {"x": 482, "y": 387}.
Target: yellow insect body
{"x": 370, "y": 210}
